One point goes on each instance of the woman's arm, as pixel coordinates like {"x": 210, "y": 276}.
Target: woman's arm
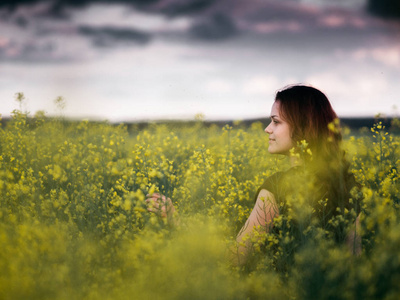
{"x": 260, "y": 219}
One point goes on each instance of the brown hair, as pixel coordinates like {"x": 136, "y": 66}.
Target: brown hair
{"x": 309, "y": 113}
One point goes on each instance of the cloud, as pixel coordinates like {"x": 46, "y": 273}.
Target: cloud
{"x": 35, "y": 9}
{"x": 108, "y": 36}
{"x": 13, "y": 4}
{"x": 278, "y": 11}
{"x": 219, "y": 86}
{"x": 30, "y": 51}
{"x": 355, "y": 92}
{"x": 261, "y": 85}
{"x": 335, "y": 18}
{"x": 61, "y": 9}
{"x": 219, "y": 26}
{"x": 183, "y": 7}
{"x": 125, "y": 16}
{"x": 388, "y": 55}
{"x": 21, "y": 22}
{"x": 137, "y": 22}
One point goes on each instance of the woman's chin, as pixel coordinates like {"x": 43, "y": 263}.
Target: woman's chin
{"x": 271, "y": 150}
{"x": 275, "y": 151}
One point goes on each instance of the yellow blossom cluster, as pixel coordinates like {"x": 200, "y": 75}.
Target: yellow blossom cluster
{"x": 74, "y": 222}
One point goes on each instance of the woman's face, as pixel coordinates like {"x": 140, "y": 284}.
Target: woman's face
{"x": 280, "y": 141}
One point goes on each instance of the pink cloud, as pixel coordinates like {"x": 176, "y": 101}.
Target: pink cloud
{"x": 277, "y": 26}
{"x": 389, "y": 55}
{"x": 333, "y": 21}
{"x": 4, "y": 42}
{"x": 337, "y": 18}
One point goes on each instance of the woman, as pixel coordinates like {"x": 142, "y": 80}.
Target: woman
{"x": 303, "y": 127}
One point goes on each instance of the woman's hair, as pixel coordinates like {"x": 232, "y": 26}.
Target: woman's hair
{"x": 309, "y": 114}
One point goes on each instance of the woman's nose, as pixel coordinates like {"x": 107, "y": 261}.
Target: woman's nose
{"x": 268, "y": 129}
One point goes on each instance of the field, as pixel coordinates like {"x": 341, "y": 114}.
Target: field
{"x": 74, "y": 224}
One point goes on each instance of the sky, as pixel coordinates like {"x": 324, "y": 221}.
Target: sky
{"x": 136, "y": 60}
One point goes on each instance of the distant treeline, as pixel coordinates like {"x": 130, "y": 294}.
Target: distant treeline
{"x": 354, "y": 124}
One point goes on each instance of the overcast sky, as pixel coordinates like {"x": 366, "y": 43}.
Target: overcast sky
{"x": 155, "y": 59}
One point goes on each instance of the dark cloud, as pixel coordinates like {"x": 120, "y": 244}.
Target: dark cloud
{"x": 12, "y": 5}
{"x": 58, "y": 9}
{"x": 49, "y": 10}
{"x": 35, "y": 50}
{"x": 173, "y": 8}
{"x": 185, "y": 7}
{"x": 278, "y": 11}
{"x": 110, "y": 36}
{"x": 384, "y": 8}
{"x": 218, "y": 26}
{"x": 31, "y": 52}
{"x": 256, "y": 21}
{"x": 21, "y": 21}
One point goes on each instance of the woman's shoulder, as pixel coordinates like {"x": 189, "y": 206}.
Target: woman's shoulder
{"x": 275, "y": 183}
{"x": 280, "y": 175}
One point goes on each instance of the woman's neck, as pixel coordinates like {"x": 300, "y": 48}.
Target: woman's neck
{"x": 295, "y": 160}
